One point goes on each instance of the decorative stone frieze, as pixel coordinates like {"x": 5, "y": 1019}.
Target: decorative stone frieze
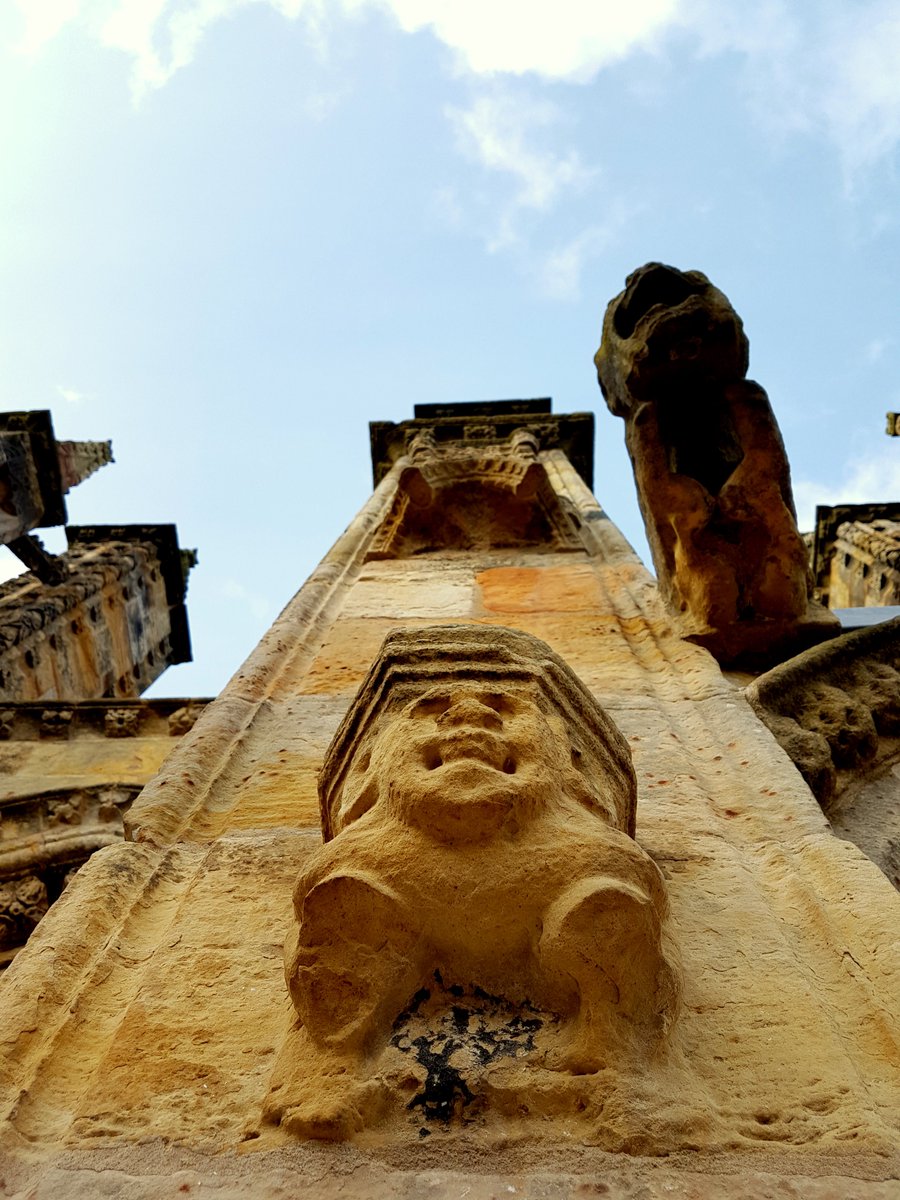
{"x": 44, "y": 839}
{"x": 835, "y": 710}
{"x": 478, "y": 809}
{"x": 65, "y": 789}
{"x": 712, "y": 476}
{"x": 122, "y": 722}
{"x": 23, "y": 902}
{"x": 55, "y": 722}
{"x": 488, "y": 425}
{"x": 183, "y": 720}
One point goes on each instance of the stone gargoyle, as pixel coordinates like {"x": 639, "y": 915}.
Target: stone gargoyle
{"x": 712, "y": 476}
{"x": 478, "y": 809}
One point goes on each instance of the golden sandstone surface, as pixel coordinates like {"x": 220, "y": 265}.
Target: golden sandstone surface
{"x": 143, "y": 1023}
{"x": 702, "y": 1003}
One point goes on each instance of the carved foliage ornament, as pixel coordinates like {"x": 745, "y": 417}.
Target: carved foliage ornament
{"x": 478, "y": 809}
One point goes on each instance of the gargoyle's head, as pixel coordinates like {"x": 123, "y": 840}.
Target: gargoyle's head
{"x": 669, "y": 330}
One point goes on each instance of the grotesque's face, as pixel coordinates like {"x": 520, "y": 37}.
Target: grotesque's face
{"x": 463, "y": 762}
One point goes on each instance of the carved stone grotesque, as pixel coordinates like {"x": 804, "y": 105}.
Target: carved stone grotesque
{"x": 712, "y": 475}
{"x": 478, "y": 809}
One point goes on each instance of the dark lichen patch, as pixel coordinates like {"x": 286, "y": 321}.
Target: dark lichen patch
{"x": 454, "y": 1033}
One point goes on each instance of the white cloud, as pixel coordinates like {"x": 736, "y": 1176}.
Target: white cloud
{"x": 570, "y": 39}
{"x": 44, "y": 19}
{"x": 861, "y": 82}
{"x": 160, "y": 36}
{"x": 828, "y": 68}
{"x": 875, "y": 478}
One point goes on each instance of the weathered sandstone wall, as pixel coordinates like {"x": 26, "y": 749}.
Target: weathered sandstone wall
{"x": 141, "y": 1026}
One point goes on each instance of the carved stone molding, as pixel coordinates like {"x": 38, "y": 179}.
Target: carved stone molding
{"x": 711, "y": 472}
{"x": 183, "y": 720}
{"x": 486, "y": 425}
{"x": 835, "y": 710}
{"x": 55, "y": 722}
{"x": 478, "y": 810}
{"x": 99, "y": 718}
{"x": 44, "y": 839}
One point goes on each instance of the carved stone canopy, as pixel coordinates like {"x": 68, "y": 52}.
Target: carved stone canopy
{"x": 473, "y": 495}
{"x": 412, "y": 661}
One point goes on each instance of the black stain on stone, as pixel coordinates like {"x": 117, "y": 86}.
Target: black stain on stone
{"x": 485, "y": 1028}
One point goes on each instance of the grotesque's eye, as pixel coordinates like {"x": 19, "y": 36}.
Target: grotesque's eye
{"x": 430, "y": 706}
{"x": 497, "y": 701}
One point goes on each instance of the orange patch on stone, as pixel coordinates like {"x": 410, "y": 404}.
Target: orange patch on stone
{"x": 570, "y": 588}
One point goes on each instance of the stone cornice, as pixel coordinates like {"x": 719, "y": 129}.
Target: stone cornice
{"x": 486, "y": 425}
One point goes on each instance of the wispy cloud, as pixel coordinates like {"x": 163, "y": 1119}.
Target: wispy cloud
{"x": 499, "y": 131}
{"x": 876, "y": 477}
{"x": 559, "y": 273}
{"x": 827, "y": 70}
{"x": 875, "y": 349}
{"x": 160, "y": 36}
{"x": 43, "y": 20}
{"x": 258, "y": 605}
{"x": 572, "y": 41}
{"x": 70, "y": 395}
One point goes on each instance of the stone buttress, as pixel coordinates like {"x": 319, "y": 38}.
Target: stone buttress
{"x": 143, "y": 1025}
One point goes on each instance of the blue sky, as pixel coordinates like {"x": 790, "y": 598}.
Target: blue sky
{"x": 233, "y": 232}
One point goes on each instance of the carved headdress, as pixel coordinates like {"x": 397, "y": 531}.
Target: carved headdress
{"x": 412, "y": 660}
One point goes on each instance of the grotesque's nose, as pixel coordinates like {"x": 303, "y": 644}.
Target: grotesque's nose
{"x": 471, "y": 712}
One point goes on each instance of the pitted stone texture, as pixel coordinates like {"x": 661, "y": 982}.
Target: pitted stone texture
{"x": 778, "y": 922}
{"x": 152, "y": 956}
{"x": 712, "y": 476}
